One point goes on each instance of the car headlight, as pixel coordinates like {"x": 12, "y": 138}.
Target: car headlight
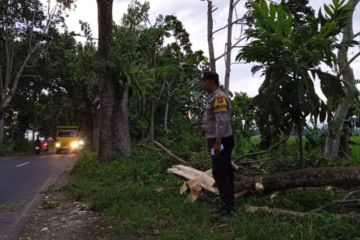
{"x": 81, "y": 143}
{"x": 74, "y": 145}
{"x": 57, "y": 145}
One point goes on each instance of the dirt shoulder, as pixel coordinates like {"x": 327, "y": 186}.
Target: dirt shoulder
{"x": 59, "y": 217}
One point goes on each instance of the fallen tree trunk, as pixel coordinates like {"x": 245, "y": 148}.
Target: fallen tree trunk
{"x": 313, "y": 177}
{"x": 343, "y": 177}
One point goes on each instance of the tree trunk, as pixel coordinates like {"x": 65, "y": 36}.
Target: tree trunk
{"x": 95, "y": 131}
{"x": 210, "y": 37}
{"x": 335, "y": 127}
{"x": 121, "y": 131}
{"x": 105, "y": 122}
{"x": 228, "y": 47}
{"x": 312, "y": 177}
{"x": 152, "y": 121}
{"x": 166, "y": 116}
{"x": 344, "y": 148}
{"x": 106, "y": 85}
{"x": 104, "y": 27}
{"x": 344, "y": 177}
{"x": 299, "y": 131}
{"x": 2, "y": 120}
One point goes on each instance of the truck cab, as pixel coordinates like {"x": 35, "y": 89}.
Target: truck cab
{"x": 68, "y": 139}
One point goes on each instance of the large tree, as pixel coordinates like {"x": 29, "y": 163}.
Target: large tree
{"x": 112, "y": 118}
{"x": 22, "y": 24}
{"x": 343, "y": 104}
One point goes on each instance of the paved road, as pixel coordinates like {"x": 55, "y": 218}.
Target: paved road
{"x": 22, "y": 181}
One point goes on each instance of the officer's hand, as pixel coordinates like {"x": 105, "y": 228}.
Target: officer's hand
{"x": 217, "y": 146}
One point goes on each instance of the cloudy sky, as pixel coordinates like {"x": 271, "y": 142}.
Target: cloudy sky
{"x": 192, "y": 13}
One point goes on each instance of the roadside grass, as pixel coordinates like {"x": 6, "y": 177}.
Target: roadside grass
{"x": 11, "y": 148}
{"x": 355, "y": 149}
{"x": 4, "y": 206}
{"x": 140, "y": 200}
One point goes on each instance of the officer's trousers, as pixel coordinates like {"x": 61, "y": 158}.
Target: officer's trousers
{"x": 222, "y": 171}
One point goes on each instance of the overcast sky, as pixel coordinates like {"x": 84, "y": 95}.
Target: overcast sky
{"x": 192, "y": 13}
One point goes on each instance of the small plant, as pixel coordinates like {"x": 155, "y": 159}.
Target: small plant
{"x": 4, "y": 206}
{"x": 46, "y": 205}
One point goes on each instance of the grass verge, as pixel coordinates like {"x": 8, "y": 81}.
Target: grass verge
{"x": 141, "y": 201}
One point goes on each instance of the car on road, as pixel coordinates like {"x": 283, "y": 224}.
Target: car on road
{"x": 68, "y": 139}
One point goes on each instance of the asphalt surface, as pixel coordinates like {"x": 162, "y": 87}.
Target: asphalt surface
{"x": 23, "y": 179}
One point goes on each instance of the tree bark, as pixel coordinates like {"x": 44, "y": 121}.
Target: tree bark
{"x": 167, "y": 105}
{"x": 210, "y": 36}
{"x": 121, "y": 131}
{"x": 106, "y": 85}
{"x": 95, "y": 131}
{"x": 152, "y": 121}
{"x": 228, "y": 47}
{"x": 300, "y": 145}
{"x": 331, "y": 150}
{"x": 166, "y": 114}
{"x": 312, "y": 177}
{"x": 343, "y": 177}
{"x": 105, "y": 122}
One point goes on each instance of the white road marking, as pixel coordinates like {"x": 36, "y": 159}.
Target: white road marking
{"x": 23, "y": 164}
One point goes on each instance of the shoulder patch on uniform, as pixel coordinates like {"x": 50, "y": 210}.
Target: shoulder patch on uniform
{"x": 220, "y": 104}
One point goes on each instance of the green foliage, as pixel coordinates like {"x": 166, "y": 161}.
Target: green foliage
{"x": 16, "y": 146}
{"x": 24, "y": 26}
{"x": 243, "y": 122}
{"x": 299, "y": 9}
{"x": 57, "y": 89}
{"x": 286, "y": 54}
{"x": 315, "y": 139}
{"x": 162, "y": 77}
{"x": 243, "y": 115}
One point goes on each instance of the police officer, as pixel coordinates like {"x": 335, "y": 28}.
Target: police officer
{"x": 218, "y": 132}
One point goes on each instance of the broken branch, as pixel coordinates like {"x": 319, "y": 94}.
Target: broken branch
{"x": 296, "y": 215}
{"x": 233, "y": 46}
{"x": 169, "y": 152}
{"x": 237, "y": 21}
{"x": 348, "y": 64}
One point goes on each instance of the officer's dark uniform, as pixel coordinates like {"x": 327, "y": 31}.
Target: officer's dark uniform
{"x": 216, "y": 122}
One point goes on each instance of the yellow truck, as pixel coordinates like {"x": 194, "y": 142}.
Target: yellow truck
{"x": 68, "y": 139}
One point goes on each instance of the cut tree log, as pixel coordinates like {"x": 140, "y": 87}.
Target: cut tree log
{"x": 343, "y": 177}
